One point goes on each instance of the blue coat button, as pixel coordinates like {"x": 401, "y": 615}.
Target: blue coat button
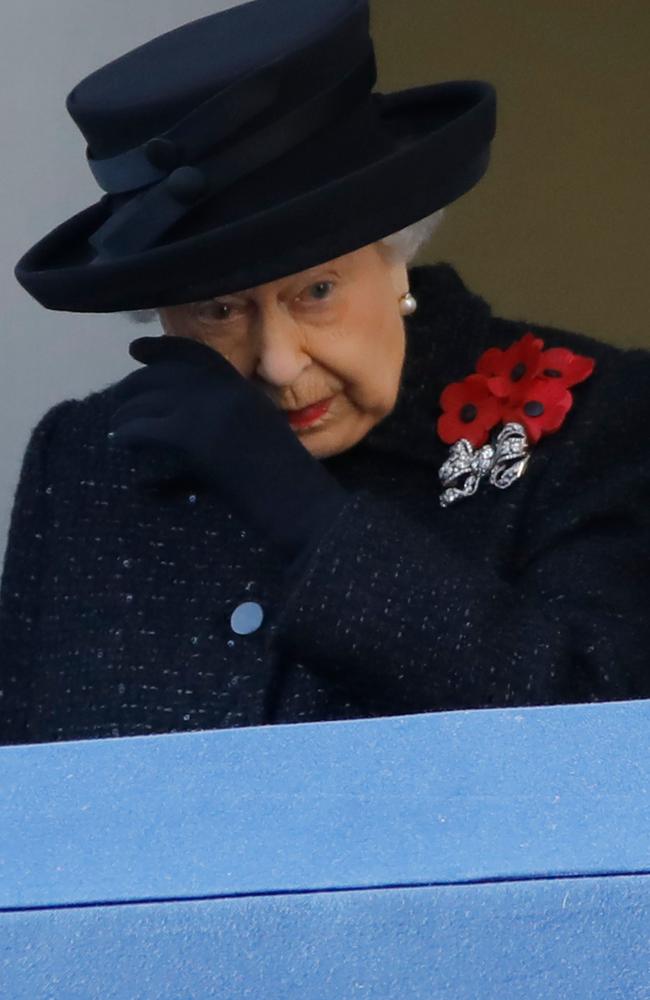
{"x": 246, "y": 618}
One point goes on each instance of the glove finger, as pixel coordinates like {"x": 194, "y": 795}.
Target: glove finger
{"x": 149, "y": 350}
{"x": 180, "y": 354}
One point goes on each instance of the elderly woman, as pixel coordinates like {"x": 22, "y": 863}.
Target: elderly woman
{"x": 337, "y": 486}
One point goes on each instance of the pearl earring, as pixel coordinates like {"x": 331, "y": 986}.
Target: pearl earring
{"x": 408, "y": 304}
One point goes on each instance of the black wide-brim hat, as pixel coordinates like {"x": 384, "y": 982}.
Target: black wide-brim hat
{"x": 246, "y": 146}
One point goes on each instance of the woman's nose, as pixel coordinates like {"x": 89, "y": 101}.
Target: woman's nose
{"x": 279, "y": 344}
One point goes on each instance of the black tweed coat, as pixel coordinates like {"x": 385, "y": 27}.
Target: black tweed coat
{"x": 116, "y": 603}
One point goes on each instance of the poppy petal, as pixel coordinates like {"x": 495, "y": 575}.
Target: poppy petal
{"x": 454, "y": 395}
{"x": 499, "y": 386}
{"x": 448, "y": 428}
{"x": 556, "y": 416}
{"x": 475, "y": 434}
{"x": 579, "y": 369}
{"x": 490, "y": 411}
{"x": 491, "y": 362}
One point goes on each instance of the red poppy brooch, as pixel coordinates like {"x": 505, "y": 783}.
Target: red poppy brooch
{"x": 524, "y": 388}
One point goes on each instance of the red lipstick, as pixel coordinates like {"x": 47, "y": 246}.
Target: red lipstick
{"x": 309, "y": 414}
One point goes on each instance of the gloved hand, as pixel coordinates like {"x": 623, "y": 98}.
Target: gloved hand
{"x": 191, "y": 400}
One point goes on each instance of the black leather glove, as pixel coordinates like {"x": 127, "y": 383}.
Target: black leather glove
{"x": 222, "y": 427}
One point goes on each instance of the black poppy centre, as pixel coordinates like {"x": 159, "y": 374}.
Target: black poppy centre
{"x": 468, "y": 413}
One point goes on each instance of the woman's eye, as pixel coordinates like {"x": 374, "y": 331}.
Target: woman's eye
{"x": 219, "y": 311}
{"x": 321, "y": 290}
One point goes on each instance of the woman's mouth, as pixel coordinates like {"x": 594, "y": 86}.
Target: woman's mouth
{"x": 309, "y": 414}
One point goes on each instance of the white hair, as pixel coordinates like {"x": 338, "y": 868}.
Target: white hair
{"x": 405, "y": 245}
{"x": 402, "y": 246}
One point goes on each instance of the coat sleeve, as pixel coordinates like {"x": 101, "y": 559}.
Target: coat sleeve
{"x": 412, "y": 625}
{"x": 20, "y": 589}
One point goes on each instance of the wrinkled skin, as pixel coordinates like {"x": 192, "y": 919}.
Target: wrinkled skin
{"x": 331, "y": 330}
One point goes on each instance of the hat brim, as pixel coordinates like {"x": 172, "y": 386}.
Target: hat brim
{"x": 444, "y": 132}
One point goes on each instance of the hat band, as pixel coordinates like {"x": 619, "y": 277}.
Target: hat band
{"x": 226, "y": 112}
{"x": 223, "y": 114}
{"x": 139, "y": 223}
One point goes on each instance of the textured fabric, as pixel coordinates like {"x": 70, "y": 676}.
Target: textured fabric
{"x": 115, "y": 604}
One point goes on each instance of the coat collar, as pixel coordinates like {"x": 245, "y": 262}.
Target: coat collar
{"x": 444, "y": 339}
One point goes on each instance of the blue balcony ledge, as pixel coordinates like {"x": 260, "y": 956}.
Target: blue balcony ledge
{"x": 436, "y": 799}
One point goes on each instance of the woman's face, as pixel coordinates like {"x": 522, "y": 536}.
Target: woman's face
{"x": 334, "y": 330}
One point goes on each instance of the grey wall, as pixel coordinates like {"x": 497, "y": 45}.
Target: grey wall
{"x": 46, "y": 47}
